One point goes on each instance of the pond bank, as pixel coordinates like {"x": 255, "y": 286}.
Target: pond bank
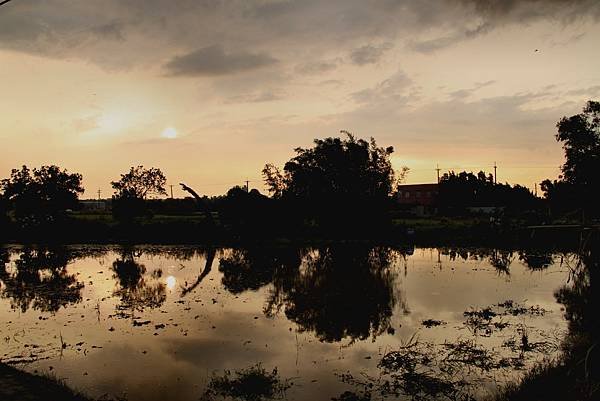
{"x": 16, "y": 385}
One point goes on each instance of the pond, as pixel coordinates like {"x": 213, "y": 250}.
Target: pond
{"x": 150, "y": 323}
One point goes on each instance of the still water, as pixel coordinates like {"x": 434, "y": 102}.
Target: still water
{"x": 158, "y": 323}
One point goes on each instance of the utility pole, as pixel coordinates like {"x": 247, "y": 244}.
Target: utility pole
{"x": 535, "y": 190}
{"x": 247, "y": 186}
{"x": 99, "y": 192}
{"x": 495, "y": 176}
{"x": 438, "y": 173}
{"x": 171, "y": 190}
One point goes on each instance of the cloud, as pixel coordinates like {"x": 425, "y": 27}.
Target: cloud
{"x": 134, "y": 32}
{"x": 368, "y": 54}
{"x": 432, "y": 45}
{"x": 464, "y": 93}
{"x": 527, "y": 10}
{"x": 390, "y": 90}
{"x": 213, "y": 60}
{"x": 316, "y": 67}
{"x": 113, "y": 31}
{"x": 257, "y": 97}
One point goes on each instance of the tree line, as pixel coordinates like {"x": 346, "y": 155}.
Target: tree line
{"x": 340, "y": 184}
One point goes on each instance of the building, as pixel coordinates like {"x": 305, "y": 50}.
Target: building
{"x": 93, "y": 205}
{"x": 418, "y": 194}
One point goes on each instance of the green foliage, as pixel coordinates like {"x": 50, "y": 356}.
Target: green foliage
{"x": 41, "y": 195}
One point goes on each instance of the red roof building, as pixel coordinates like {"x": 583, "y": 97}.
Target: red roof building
{"x": 417, "y": 194}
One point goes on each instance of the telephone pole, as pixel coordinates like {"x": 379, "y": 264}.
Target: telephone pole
{"x": 438, "y": 173}
{"x": 247, "y": 186}
{"x": 99, "y": 192}
{"x": 171, "y": 190}
{"x": 495, "y": 176}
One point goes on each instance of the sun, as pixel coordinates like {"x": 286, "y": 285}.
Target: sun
{"x": 169, "y": 133}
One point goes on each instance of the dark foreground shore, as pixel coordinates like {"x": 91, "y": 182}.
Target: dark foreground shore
{"x": 16, "y": 385}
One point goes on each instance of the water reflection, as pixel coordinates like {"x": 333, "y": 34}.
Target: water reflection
{"x": 199, "y": 310}
{"x": 253, "y": 268}
{"x": 502, "y": 259}
{"x": 39, "y": 279}
{"x": 134, "y": 288}
{"x": 536, "y": 260}
{"x": 336, "y": 291}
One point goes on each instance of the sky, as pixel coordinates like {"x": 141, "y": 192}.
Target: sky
{"x": 210, "y": 91}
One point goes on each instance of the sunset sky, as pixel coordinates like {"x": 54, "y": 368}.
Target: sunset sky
{"x": 210, "y": 91}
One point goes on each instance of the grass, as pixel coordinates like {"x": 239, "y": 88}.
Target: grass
{"x": 251, "y": 384}
{"x": 16, "y": 385}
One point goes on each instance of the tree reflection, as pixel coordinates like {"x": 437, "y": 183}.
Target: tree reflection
{"x": 581, "y": 299}
{"x": 39, "y": 279}
{"x": 336, "y": 291}
{"x": 339, "y": 292}
{"x": 253, "y": 268}
{"x": 499, "y": 259}
{"x": 536, "y": 260}
{"x": 136, "y": 290}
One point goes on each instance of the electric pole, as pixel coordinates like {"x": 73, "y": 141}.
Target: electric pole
{"x": 438, "y": 173}
{"x": 99, "y": 192}
{"x": 495, "y": 176}
{"x": 247, "y": 186}
{"x": 171, "y": 190}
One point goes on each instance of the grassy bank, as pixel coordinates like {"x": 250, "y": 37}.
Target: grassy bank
{"x": 196, "y": 229}
{"x": 16, "y": 385}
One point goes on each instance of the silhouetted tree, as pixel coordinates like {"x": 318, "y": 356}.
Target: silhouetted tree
{"x": 132, "y": 190}
{"x": 43, "y": 195}
{"x": 343, "y": 183}
{"x": 458, "y": 191}
{"x": 580, "y": 181}
{"x": 247, "y": 213}
{"x": 3, "y": 216}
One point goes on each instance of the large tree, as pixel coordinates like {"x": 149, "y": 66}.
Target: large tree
{"x": 41, "y": 195}
{"x": 339, "y": 179}
{"x": 578, "y": 186}
{"x": 132, "y": 190}
{"x": 140, "y": 183}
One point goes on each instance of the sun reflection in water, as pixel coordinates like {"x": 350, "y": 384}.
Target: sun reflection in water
{"x": 171, "y": 281}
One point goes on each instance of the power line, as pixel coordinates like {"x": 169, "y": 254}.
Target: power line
{"x": 2, "y": 2}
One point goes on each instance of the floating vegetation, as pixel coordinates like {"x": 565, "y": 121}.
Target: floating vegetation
{"x": 251, "y": 384}
{"x": 420, "y": 370}
{"x": 466, "y": 353}
{"x": 432, "y": 323}
{"x": 351, "y": 396}
{"x": 521, "y": 343}
{"x": 488, "y": 320}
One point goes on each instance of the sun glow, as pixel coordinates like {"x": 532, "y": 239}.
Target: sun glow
{"x": 171, "y": 281}
{"x": 169, "y": 133}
